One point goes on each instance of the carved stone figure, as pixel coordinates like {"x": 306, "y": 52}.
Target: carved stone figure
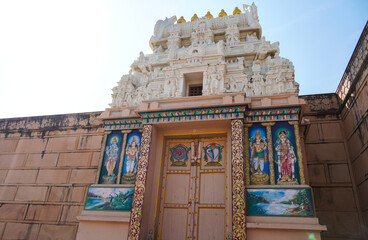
{"x": 211, "y": 46}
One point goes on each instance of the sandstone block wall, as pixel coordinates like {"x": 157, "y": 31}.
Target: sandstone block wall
{"x": 46, "y": 164}
{"x": 329, "y": 168}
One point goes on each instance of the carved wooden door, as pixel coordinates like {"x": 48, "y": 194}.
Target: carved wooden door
{"x": 193, "y": 196}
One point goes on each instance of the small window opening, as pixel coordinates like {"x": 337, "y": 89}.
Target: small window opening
{"x": 195, "y": 90}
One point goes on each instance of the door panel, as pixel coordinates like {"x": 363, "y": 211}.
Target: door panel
{"x": 211, "y": 224}
{"x": 212, "y": 190}
{"x": 174, "y": 223}
{"x": 193, "y": 195}
{"x": 177, "y": 189}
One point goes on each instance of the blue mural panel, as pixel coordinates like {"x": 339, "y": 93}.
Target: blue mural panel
{"x": 111, "y": 158}
{"x": 258, "y": 155}
{"x": 284, "y": 152}
{"x": 109, "y": 198}
{"x": 133, "y": 144}
{"x": 280, "y": 202}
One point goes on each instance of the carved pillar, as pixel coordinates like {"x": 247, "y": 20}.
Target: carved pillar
{"x": 101, "y": 156}
{"x": 299, "y": 150}
{"x": 140, "y": 184}
{"x": 122, "y": 155}
{"x": 238, "y": 191}
{"x": 270, "y": 152}
{"x": 247, "y": 161}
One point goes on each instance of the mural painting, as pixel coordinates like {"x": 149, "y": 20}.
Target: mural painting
{"x": 280, "y": 202}
{"x": 179, "y": 155}
{"x": 258, "y": 155}
{"x": 111, "y": 158}
{"x": 129, "y": 171}
{"x": 213, "y": 155}
{"x": 109, "y": 198}
{"x": 285, "y": 160}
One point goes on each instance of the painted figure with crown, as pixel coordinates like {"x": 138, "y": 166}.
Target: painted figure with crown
{"x": 286, "y": 159}
{"x": 258, "y": 157}
{"x": 112, "y": 158}
{"x": 131, "y": 159}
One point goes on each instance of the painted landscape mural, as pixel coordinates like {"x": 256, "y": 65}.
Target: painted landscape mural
{"x": 280, "y": 202}
{"x": 109, "y": 198}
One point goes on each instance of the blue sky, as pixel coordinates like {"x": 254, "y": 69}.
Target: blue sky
{"x": 60, "y": 57}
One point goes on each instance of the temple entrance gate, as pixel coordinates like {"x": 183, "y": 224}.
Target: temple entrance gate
{"x": 194, "y": 190}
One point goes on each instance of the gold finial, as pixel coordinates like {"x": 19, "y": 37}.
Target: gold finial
{"x": 222, "y": 13}
{"x": 209, "y": 15}
{"x": 181, "y": 20}
{"x": 236, "y": 11}
{"x": 195, "y": 17}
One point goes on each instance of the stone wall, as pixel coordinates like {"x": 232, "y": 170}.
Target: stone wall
{"x": 46, "y": 164}
{"x": 354, "y": 115}
{"x": 329, "y": 169}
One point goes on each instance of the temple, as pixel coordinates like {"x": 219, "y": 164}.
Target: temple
{"x": 206, "y": 137}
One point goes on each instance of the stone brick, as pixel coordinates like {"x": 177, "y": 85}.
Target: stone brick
{"x": 313, "y": 134}
{"x": 78, "y": 194}
{"x": 61, "y": 144}
{"x": 10, "y": 161}
{"x": 32, "y": 145}
{"x": 3, "y": 174}
{"x": 95, "y": 159}
{"x": 10, "y": 211}
{"x": 339, "y": 173}
{"x": 344, "y": 224}
{"x": 316, "y": 173}
{"x": 363, "y": 194}
{"x": 70, "y": 213}
{"x": 43, "y": 212}
{"x": 355, "y": 145}
{"x": 30, "y": 193}
{"x": 8, "y": 145}
{"x": 53, "y": 176}
{"x": 57, "y": 232}
{"x": 87, "y": 176}
{"x": 74, "y": 159}
{"x": 360, "y": 167}
{"x": 325, "y": 152}
{"x": 58, "y": 194}
{"x": 42, "y": 160}
{"x": 334, "y": 199}
{"x": 2, "y": 226}
{"x": 331, "y": 131}
{"x": 21, "y": 231}
{"x": 90, "y": 142}
{"x": 21, "y": 176}
{"x": 7, "y": 193}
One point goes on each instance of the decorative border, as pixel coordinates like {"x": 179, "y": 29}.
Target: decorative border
{"x": 124, "y": 123}
{"x": 266, "y": 115}
{"x": 140, "y": 184}
{"x": 246, "y": 152}
{"x": 237, "y": 159}
{"x": 195, "y": 114}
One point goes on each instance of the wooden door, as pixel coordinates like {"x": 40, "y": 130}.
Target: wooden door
{"x": 193, "y": 197}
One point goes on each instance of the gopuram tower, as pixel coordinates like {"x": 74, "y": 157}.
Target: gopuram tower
{"x": 202, "y": 140}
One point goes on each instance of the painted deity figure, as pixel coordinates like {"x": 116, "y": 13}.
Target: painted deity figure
{"x": 258, "y": 148}
{"x": 112, "y": 157}
{"x": 132, "y": 156}
{"x": 285, "y": 158}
